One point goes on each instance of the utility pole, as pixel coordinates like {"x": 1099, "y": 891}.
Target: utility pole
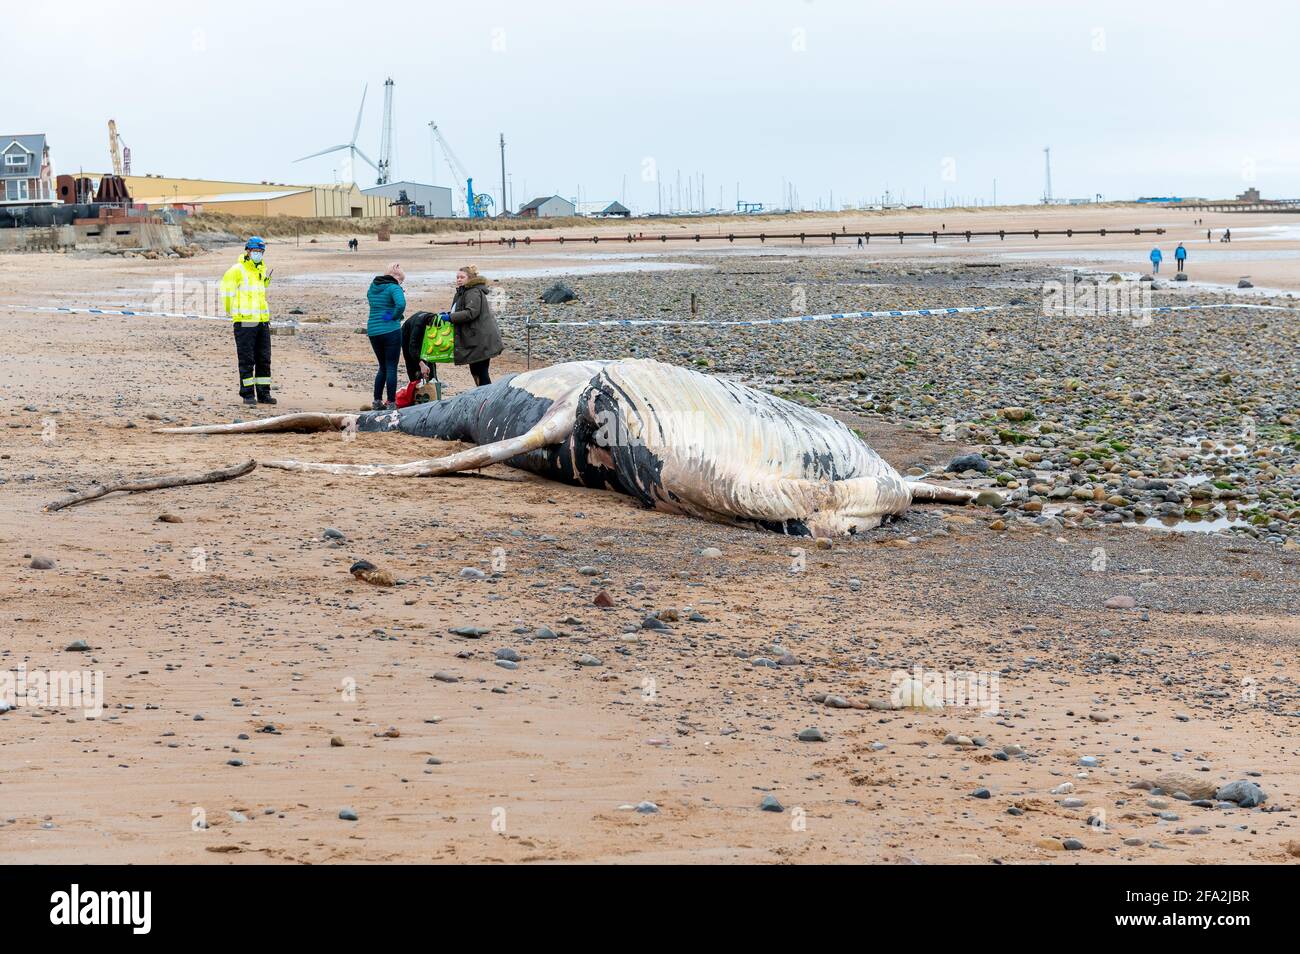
{"x": 1047, "y": 189}
{"x": 505, "y": 202}
{"x": 433, "y": 154}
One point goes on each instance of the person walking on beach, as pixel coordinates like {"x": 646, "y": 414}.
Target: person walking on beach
{"x": 1156, "y": 257}
{"x": 1227, "y": 235}
{"x": 384, "y": 326}
{"x": 243, "y": 292}
{"x": 478, "y": 339}
{"x": 1180, "y": 256}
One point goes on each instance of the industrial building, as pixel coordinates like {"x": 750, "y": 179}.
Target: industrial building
{"x": 432, "y": 201}
{"x": 337, "y": 200}
{"x": 548, "y": 207}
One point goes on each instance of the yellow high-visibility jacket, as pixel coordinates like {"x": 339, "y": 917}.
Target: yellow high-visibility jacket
{"x": 243, "y": 290}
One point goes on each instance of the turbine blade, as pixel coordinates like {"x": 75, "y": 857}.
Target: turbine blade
{"x": 324, "y": 152}
{"x": 365, "y": 157}
{"x": 357, "y": 128}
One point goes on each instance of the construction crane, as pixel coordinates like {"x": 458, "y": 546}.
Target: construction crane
{"x": 386, "y": 136}
{"x": 476, "y": 206}
{"x": 119, "y": 150}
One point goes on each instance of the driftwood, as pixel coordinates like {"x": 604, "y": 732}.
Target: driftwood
{"x": 153, "y": 483}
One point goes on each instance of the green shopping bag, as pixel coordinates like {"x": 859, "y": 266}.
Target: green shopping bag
{"x": 439, "y": 342}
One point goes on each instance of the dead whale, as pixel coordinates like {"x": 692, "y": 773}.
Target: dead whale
{"x": 672, "y": 438}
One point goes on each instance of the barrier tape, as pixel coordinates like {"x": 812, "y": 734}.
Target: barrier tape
{"x": 640, "y": 322}
{"x": 135, "y": 314}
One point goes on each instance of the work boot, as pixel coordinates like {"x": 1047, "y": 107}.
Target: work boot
{"x": 376, "y": 405}
{"x": 390, "y": 406}
{"x": 250, "y": 401}
{"x": 266, "y": 399}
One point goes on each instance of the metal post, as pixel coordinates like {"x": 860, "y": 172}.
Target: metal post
{"x": 528, "y": 338}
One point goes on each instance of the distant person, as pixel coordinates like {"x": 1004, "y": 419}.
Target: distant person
{"x": 384, "y": 326}
{"x": 1227, "y": 235}
{"x": 1180, "y": 256}
{"x": 1209, "y": 235}
{"x": 243, "y": 290}
{"x": 1156, "y": 257}
{"x": 353, "y": 245}
{"x": 478, "y": 339}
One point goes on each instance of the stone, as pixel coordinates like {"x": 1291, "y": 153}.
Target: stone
{"x": 770, "y": 804}
{"x": 330, "y": 533}
{"x": 711, "y": 553}
{"x": 1120, "y": 602}
{"x": 603, "y": 599}
{"x": 347, "y": 814}
{"x": 78, "y": 646}
{"x": 811, "y": 735}
{"x": 1246, "y": 794}
{"x": 42, "y": 563}
{"x": 968, "y": 462}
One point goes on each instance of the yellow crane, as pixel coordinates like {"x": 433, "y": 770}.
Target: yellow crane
{"x": 114, "y": 140}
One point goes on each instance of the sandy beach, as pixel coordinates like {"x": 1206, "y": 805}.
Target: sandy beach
{"x": 254, "y": 689}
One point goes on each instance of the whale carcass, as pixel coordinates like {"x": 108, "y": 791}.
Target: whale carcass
{"x": 672, "y": 438}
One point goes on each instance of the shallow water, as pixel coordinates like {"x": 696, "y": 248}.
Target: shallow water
{"x": 1189, "y": 525}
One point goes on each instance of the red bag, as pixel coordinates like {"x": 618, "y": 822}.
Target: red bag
{"x": 406, "y": 396}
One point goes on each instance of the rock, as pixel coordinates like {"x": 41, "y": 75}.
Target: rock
{"x": 445, "y": 677}
{"x": 505, "y": 664}
{"x": 1245, "y": 283}
{"x": 603, "y": 599}
{"x": 968, "y": 462}
{"x": 42, "y": 563}
{"x": 1246, "y": 794}
{"x": 1065, "y": 788}
{"x": 508, "y": 654}
{"x": 1120, "y": 602}
{"x": 169, "y": 518}
{"x": 1180, "y": 277}
{"x": 981, "y": 793}
{"x": 811, "y": 735}
{"x": 347, "y": 814}
{"x": 647, "y": 808}
{"x": 1176, "y": 782}
{"x": 78, "y": 646}
{"x": 1072, "y": 803}
{"x": 1089, "y": 761}
{"x": 588, "y": 571}
{"x": 559, "y": 294}
{"x": 336, "y": 742}
{"x": 332, "y": 534}
{"x": 1072, "y": 844}
{"x": 989, "y": 498}
{"x": 1014, "y": 413}
{"x": 472, "y": 573}
{"x": 367, "y": 572}
{"x": 586, "y": 659}
{"x": 770, "y": 804}
{"x": 711, "y": 553}
{"x": 469, "y": 632}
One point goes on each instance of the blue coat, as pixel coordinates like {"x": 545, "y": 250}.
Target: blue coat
{"x": 387, "y": 305}
{"x": 1180, "y": 253}
{"x": 1155, "y": 255}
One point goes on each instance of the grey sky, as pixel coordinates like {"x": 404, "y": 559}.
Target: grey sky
{"x": 1190, "y": 98}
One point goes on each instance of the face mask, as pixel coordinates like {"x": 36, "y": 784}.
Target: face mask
{"x": 256, "y": 257}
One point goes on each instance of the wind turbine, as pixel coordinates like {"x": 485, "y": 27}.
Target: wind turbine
{"x": 351, "y": 145}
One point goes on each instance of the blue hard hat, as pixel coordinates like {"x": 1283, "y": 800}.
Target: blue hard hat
{"x": 257, "y": 243}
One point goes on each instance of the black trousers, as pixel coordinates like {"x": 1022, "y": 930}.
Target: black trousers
{"x": 479, "y": 372}
{"x": 253, "y": 349}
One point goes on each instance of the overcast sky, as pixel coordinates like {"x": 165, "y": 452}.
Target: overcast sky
{"x": 839, "y": 97}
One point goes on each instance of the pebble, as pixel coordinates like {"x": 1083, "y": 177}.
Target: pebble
{"x": 42, "y": 563}
{"x": 770, "y": 804}
{"x": 1246, "y": 794}
{"x": 347, "y": 814}
{"x": 811, "y": 735}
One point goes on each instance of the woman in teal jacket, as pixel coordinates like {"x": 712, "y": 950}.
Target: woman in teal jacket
{"x": 387, "y": 306}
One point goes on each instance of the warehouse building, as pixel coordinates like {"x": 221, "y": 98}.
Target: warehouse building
{"x": 336, "y": 200}
{"x": 548, "y": 207}
{"x": 433, "y": 201}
